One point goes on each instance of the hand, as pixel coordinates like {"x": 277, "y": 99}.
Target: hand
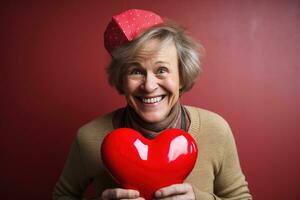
{"x": 118, "y": 193}
{"x": 182, "y": 191}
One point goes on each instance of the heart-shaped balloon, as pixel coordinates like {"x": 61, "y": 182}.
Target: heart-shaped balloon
{"x": 148, "y": 165}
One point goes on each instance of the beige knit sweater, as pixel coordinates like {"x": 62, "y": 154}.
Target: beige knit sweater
{"x": 216, "y": 175}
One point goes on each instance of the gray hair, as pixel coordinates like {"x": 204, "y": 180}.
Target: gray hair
{"x": 189, "y": 54}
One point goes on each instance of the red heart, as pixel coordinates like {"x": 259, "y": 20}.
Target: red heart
{"x": 148, "y": 165}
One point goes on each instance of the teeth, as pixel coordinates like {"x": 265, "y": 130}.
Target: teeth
{"x": 152, "y": 100}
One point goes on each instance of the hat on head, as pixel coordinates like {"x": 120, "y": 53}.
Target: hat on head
{"x": 127, "y": 25}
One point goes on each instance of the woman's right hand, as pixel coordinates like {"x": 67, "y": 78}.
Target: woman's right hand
{"x": 119, "y": 193}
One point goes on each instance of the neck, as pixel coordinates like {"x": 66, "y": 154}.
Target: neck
{"x": 127, "y": 117}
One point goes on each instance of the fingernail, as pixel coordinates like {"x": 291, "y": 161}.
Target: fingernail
{"x": 137, "y": 193}
{"x": 158, "y": 194}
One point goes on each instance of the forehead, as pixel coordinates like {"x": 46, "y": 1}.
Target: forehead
{"x": 157, "y": 50}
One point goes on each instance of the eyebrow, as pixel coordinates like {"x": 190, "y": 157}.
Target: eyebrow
{"x": 162, "y": 62}
{"x": 134, "y": 64}
{"x": 139, "y": 64}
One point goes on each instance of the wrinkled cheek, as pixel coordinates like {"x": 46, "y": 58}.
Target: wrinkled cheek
{"x": 173, "y": 88}
{"x": 132, "y": 86}
{"x": 128, "y": 89}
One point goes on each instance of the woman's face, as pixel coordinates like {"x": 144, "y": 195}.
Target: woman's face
{"x": 152, "y": 82}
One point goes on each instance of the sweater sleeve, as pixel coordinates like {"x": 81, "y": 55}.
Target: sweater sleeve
{"x": 73, "y": 180}
{"x": 229, "y": 180}
{"x": 230, "y": 183}
{"x": 200, "y": 195}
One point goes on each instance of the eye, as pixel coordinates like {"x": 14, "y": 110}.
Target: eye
{"x": 135, "y": 71}
{"x": 162, "y": 70}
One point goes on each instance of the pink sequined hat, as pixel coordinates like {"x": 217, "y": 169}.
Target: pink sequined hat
{"x": 125, "y": 26}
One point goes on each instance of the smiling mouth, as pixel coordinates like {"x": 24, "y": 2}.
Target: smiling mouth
{"x": 151, "y": 100}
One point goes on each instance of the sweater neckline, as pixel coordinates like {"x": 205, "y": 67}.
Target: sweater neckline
{"x": 195, "y": 124}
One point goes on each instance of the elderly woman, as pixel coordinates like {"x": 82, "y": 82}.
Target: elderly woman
{"x": 153, "y": 64}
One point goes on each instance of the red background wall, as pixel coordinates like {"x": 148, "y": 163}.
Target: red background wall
{"x": 52, "y": 80}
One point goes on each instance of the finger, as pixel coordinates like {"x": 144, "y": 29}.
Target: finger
{"x": 175, "y": 197}
{"x": 119, "y": 193}
{"x": 139, "y": 198}
{"x": 175, "y": 189}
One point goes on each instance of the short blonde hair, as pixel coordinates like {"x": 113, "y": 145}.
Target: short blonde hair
{"x": 189, "y": 54}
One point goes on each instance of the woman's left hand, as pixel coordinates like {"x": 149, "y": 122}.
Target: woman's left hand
{"x": 182, "y": 191}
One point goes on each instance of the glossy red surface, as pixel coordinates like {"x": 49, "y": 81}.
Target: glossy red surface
{"x": 148, "y": 165}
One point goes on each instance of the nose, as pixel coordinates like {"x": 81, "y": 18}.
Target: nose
{"x": 150, "y": 83}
